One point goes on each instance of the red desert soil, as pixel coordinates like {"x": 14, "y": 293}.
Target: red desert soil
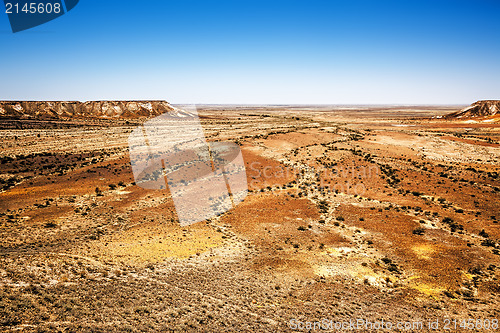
{"x": 370, "y": 213}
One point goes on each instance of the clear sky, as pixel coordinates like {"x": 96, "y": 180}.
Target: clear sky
{"x": 259, "y": 52}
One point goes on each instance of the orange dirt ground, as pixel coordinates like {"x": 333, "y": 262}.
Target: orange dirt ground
{"x": 381, "y": 213}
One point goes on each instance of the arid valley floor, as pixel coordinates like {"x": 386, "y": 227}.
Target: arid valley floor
{"x": 375, "y": 213}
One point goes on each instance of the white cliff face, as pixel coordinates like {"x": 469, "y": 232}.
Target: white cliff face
{"x": 95, "y": 109}
{"x": 478, "y": 109}
{"x": 493, "y": 109}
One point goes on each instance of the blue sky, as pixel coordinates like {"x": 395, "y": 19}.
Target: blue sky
{"x": 259, "y": 52}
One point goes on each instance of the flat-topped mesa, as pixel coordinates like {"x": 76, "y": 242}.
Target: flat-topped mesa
{"x": 478, "y": 109}
{"x": 95, "y": 109}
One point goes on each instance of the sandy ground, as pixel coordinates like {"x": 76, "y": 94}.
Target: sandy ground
{"x": 353, "y": 213}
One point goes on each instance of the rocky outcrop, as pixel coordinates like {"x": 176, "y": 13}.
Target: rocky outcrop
{"x": 97, "y": 109}
{"x": 478, "y": 109}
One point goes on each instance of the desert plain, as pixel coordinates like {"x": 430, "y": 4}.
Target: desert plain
{"x": 353, "y": 212}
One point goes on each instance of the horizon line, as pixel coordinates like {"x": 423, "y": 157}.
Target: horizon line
{"x": 242, "y": 104}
